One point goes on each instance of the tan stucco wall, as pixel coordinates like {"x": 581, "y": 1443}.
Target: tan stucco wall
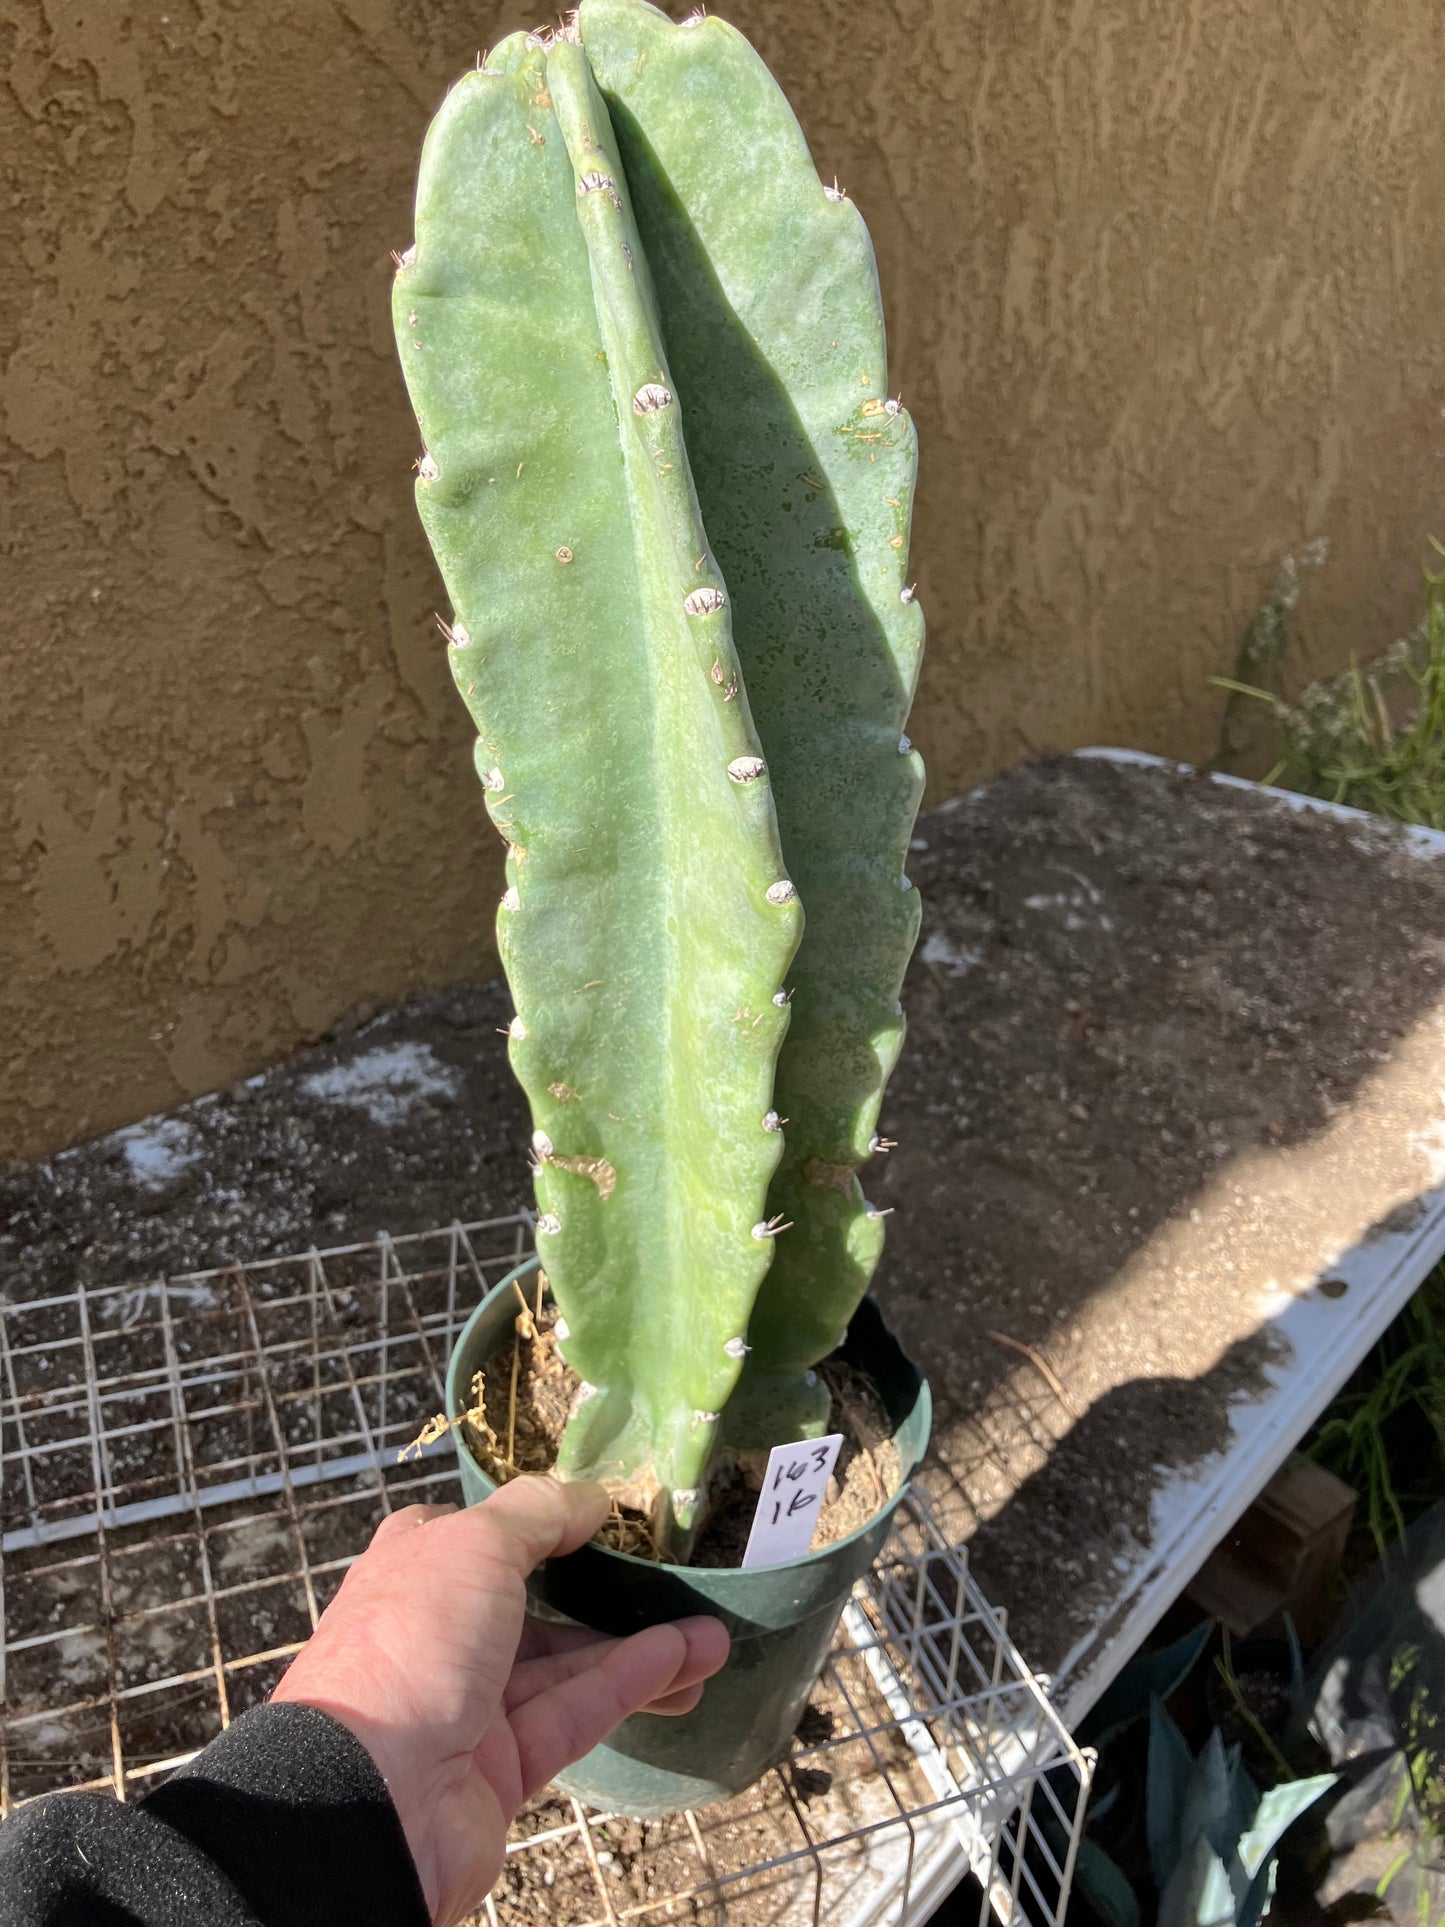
{"x": 1166, "y": 291}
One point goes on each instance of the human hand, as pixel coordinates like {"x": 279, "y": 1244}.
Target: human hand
{"x": 468, "y": 1706}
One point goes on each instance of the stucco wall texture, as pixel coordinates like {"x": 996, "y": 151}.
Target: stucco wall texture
{"x": 1165, "y": 288}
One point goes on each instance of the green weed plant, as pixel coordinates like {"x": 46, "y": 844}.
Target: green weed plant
{"x": 1390, "y": 1420}
{"x": 1373, "y": 738}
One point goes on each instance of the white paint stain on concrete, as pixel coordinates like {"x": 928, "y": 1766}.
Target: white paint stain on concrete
{"x": 388, "y": 1083}
{"x": 158, "y": 1149}
{"x": 937, "y": 950}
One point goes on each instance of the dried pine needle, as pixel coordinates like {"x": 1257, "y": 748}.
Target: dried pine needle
{"x": 512, "y": 1399}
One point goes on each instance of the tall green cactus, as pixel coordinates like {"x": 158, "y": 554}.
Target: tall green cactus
{"x": 554, "y": 347}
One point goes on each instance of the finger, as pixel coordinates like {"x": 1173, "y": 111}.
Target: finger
{"x": 671, "y": 1704}
{"x": 531, "y": 1518}
{"x": 706, "y": 1648}
{"x": 559, "y": 1725}
{"x": 533, "y": 1676}
{"x": 407, "y": 1520}
{"x": 543, "y": 1636}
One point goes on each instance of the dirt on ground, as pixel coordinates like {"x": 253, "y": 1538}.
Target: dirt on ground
{"x": 409, "y": 1120}
{"x": 1141, "y": 1004}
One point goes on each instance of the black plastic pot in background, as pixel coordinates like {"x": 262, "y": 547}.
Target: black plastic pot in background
{"x": 1263, "y": 1671}
{"x": 781, "y": 1618}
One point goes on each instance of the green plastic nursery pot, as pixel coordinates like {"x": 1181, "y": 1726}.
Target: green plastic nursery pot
{"x": 781, "y": 1617}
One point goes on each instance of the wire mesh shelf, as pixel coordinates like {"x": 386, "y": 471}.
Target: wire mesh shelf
{"x": 187, "y": 1468}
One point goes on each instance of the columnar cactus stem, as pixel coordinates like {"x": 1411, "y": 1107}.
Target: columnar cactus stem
{"x": 654, "y": 919}
{"x": 620, "y": 234}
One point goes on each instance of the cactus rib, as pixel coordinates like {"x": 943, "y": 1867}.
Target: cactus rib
{"x": 769, "y": 305}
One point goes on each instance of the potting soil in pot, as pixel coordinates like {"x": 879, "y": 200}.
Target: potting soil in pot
{"x": 520, "y": 1409}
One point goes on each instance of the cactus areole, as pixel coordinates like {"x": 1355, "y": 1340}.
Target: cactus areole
{"x": 670, "y": 496}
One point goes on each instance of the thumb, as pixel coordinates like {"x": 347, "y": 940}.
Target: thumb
{"x": 558, "y": 1726}
{"x": 530, "y": 1518}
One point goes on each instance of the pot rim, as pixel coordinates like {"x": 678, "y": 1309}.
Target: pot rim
{"x": 463, "y": 1444}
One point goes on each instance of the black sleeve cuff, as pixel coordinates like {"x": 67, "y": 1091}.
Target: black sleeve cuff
{"x": 292, "y": 1808}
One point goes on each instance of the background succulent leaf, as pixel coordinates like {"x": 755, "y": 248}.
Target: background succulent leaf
{"x": 1169, "y": 1774}
{"x": 1102, "y": 1883}
{"x": 1212, "y": 1835}
{"x": 1198, "y": 1892}
{"x": 1147, "y": 1677}
{"x": 1279, "y": 1807}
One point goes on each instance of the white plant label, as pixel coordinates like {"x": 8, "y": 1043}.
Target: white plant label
{"x": 793, "y": 1489}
